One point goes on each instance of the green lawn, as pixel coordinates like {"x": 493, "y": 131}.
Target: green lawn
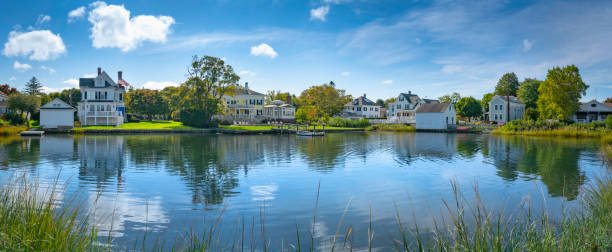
{"x": 145, "y": 125}
{"x": 265, "y": 127}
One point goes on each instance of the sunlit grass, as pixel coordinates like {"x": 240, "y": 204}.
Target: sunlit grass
{"x": 390, "y": 127}
{"x": 145, "y": 125}
{"x": 11, "y": 130}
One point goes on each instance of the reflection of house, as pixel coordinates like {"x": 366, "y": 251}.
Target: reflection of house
{"x": 435, "y": 116}
{"x": 101, "y": 158}
{"x": 244, "y": 105}
{"x": 3, "y": 103}
{"x": 56, "y": 114}
{"x": 404, "y": 108}
{"x": 498, "y": 108}
{"x": 278, "y": 110}
{"x": 592, "y": 111}
{"x": 102, "y": 100}
{"x": 61, "y": 145}
{"x": 361, "y": 107}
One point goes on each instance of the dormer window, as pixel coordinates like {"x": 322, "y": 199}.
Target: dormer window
{"x": 593, "y": 105}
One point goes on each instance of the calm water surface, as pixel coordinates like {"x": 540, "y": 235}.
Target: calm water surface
{"x": 164, "y": 184}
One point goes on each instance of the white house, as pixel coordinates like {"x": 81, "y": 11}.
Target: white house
{"x": 592, "y": 111}
{"x": 3, "y": 103}
{"x": 279, "y": 110}
{"x": 498, "y": 109}
{"x": 404, "y": 108}
{"x": 102, "y": 101}
{"x": 56, "y": 114}
{"x": 361, "y": 107}
{"x": 436, "y": 116}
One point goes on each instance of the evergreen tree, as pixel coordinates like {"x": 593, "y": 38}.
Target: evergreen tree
{"x": 33, "y": 87}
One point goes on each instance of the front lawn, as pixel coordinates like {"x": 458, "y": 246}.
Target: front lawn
{"x": 145, "y": 125}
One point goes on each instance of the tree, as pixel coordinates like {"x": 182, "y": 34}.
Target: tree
{"x": 209, "y": 78}
{"x": 8, "y": 90}
{"x": 23, "y": 103}
{"x": 608, "y": 100}
{"x": 278, "y": 95}
{"x": 469, "y": 107}
{"x": 33, "y": 87}
{"x": 380, "y": 102}
{"x": 528, "y": 92}
{"x": 147, "y": 102}
{"x": 486, "y": 98}
{"x": 507, "y": 85}
{"x": 452, "y": 98}
{"x": 560, "y": 93}
{"x": 323, "y": 101}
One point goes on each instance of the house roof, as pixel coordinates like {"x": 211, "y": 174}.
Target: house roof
{"x": 3, "y": 94}
{"x": 431, "y": 101}
{"x": 244, "y": 91}
{"x": 108, "y": 81}
{"x": 363, "y": 101}
{"x": 433, "y": 107}
{"x": 410, "y": 97}
{"x": 56, "y": 104}
{"x": 513, "y": 99}
{"x": 592, "y": 106}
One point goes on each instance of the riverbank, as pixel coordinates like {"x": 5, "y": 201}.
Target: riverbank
{"x": 31, "y": 220}
{"x": 555, "y": 129}
{"x": 11, "y": 130}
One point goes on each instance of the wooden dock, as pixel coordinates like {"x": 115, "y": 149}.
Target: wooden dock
{"x": 32, "y": 133}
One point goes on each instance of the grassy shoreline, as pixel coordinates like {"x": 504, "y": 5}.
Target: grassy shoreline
{"x": 29, "y": 223}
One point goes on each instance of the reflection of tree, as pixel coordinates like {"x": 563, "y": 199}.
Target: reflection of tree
{"x": 21, "y": 153}
{"x": 323, "y": 153}
{"x": 554, "y": 161}
{"x": 468, "y": 145}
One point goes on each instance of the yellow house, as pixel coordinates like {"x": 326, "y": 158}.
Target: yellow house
{"x": 244, "y": 105}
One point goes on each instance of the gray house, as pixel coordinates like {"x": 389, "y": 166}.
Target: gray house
{"x": 498, "y": 109}
{"x": 592, "y": 111}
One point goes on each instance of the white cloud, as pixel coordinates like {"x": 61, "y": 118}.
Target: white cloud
{"x": 21, "y": 67}
{"x": 527, "y": 45}
{"x": 43, "y": 19}
{"x": 159, "y": 85}
{"x": 72, "y": 82}
{"x": 46, "y": 68}
{"x": 319, "y": 13}
{"x": 386, "y": 81}
{"x": 39, "y": 45}
{"x": 48, "y": 90}
{"x": 263, "y": 192}
{"x": 345, "y": 73}
{"x": 247, "y": 73}
{"x": 113, "y": 27}
{"x": 76, "y": 14}
{"x": 12, "y": 78}
{"x": 263, "y": 50}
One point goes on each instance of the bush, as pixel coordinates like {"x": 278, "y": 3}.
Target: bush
{"x": 531, "y": 114}
{"x": 198, "y": 119}
{"x": 608, "y": 122}
{"x": 15, "y": 119}
{"x": 339, "y": 122}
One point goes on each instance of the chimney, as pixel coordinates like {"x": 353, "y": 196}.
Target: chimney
{"x": 120, "y": 75}
{"x": 99, "y": 70}
{"x": 288, "y": 99}
{"x": 409, "y": 92}
{"x": 246, "y": 87}
{"x": 364, "y": 95}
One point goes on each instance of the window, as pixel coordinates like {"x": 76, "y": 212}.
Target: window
{"x": 85, "y": 95}
{"x": 358, "y": 108}
{"x": 105, "y": 95}
{"x": 121, "y": 96}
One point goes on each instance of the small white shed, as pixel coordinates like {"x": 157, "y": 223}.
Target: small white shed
{"x": 436, "y": 116}
{"x": 56, "y": 113}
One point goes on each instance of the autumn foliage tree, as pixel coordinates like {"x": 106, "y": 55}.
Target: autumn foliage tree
{"x": 319, "y": 103}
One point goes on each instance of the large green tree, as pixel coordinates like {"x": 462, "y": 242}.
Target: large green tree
{"x": 560, "y": 93}
{"x": 486, "y": 98}
{"x": 33, "y": 87}
{"x": 321, "y": 102}
{"x": 452, "y": 98}
{"x": 71, "y": 96}
{"x": 528, "y": 92}
{"x": 469, "y": 107}
{"x": 209, "y": 78}
{"x": 147, "y": 102}
{"x": 508, "y": 84}
{"x": 23, "y": 103}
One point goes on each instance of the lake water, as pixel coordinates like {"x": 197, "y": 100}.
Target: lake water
{"x": 165, "y": 185}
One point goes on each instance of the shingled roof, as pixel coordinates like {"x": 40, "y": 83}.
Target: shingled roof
{"x": 433, "y": 108}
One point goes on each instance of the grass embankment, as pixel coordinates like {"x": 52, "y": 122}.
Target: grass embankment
{"x": 11, "y": 130}
{"x": 554, "y": 129}
{"x": 269, "y": 127}
{"x": 390, "y": 127}
{"x": 145, "y": 125}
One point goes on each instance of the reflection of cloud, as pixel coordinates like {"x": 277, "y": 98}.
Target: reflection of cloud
{"x": 263, "y": 192}
{"x": 110, "y": 213}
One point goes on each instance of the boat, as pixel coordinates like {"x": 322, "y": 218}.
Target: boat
{"x": 310, "y": 133}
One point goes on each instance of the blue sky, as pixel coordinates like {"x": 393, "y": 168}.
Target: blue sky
{"x": 379, "y": 48}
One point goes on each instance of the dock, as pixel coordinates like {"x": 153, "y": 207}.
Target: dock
{"x": 32, "y": 133}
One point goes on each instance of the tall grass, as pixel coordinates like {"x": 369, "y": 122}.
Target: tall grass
{"x": 390, "y": 127}
{"x": 11, "y": 130}
{"x": 31, "y": 221}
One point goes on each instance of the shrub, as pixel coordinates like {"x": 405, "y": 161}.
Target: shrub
{"x": 339, "y": 122}
{"x": 199, "y": 119}
{"x": 15, "y": 119}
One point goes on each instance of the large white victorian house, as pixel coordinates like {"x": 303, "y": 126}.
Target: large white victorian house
{"x": 361, "y": 107}
{"x": 102, "y": 101}
{"x": 403, "y": 110}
